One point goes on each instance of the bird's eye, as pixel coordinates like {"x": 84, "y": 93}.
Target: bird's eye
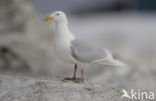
{"x": 57, "y": 14}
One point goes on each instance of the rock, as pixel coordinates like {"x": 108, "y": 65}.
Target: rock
{"x": 11, "y": 61}
{"x": 18, "y": 88}
{"x": 27, "y": 39}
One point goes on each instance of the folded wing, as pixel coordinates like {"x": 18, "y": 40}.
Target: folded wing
{"x": 88, "y": 54}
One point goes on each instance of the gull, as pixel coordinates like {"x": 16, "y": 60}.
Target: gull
{"x": 73, "y": 50}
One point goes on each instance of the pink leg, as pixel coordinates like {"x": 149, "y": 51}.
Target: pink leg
{"x": 82, "y": 75}
{"x": 75, "y": 69}
{"x": 74, "y": 76}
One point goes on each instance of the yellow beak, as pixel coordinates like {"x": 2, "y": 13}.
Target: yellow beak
{"x": 48, "y": 18}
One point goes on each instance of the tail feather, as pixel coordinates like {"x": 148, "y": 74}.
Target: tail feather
{"x": 112, "y": 62}
{"x": 109, "y": 60}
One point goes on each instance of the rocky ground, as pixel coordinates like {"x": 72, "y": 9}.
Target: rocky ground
{"x": 19, "y": 88}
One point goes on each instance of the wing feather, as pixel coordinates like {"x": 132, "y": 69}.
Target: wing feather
{"x": 86, "y": 53}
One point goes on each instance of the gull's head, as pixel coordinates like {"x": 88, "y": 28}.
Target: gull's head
{"x": 57, "y": 17}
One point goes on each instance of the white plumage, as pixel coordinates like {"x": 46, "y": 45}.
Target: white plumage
{"x": 72, "y": 50}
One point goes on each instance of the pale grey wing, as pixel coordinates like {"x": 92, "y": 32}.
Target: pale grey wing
{"x": 87, "y": 53}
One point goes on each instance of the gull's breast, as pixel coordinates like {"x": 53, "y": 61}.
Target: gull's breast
{"x": 63, "y": 51}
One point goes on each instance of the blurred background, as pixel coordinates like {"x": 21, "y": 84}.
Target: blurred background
{"x": 125, "y": 27}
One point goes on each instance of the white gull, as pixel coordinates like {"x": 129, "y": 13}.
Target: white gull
{"x": 74, "y": 51}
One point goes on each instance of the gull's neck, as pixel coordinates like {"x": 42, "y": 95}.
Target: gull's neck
{"x": 63, "y": 33}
